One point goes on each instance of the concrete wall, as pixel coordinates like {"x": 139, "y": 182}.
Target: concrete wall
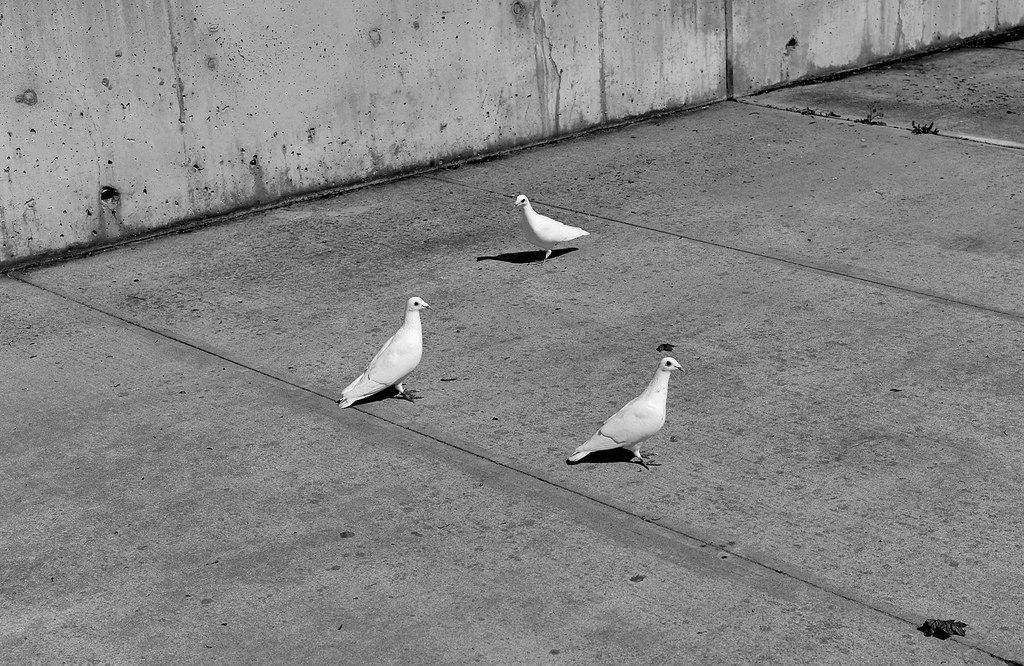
{"x": 775, "y": 41}
{"x": 190, "y": 108}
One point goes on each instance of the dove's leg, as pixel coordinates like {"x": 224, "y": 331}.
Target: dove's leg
{"x": 647, "y": 463}
{"x": 546, "y": 255}
{"x": 405, "y": 393}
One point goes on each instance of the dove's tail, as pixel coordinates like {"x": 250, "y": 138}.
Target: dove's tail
{"x": 576, "y": 457}
{"x": 599, "y": 442}
{"x": 362, "y": 387}
{"x": 575, "y": 232}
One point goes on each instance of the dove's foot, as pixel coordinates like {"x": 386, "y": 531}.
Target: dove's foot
{"x": 407, "y": 394}
{"x": 546, "y": 255}
{"x": 646, "y": 462}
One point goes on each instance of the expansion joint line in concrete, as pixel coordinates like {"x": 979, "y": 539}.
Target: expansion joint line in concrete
{"x": 677, "y": 535}
{"x": 986, "y": 141}
{"x": 821, "y": 270}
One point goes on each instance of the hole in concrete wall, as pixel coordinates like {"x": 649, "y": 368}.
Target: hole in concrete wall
{"x": 791, "y": 45}
{"x": 110, "y": 199}
{"x": 375, "y": 36}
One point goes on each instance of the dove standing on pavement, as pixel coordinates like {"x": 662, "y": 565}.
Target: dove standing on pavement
{"x": 544, "y": 232}
{"x": 640, "y": 419}
{"x": 396, "y": 359}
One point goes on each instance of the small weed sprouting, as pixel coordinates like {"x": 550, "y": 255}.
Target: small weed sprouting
{"x": 921, "y": 128}
{"x": 872, "y": 118}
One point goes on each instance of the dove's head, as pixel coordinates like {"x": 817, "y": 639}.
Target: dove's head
{"x": 669, "y": 364}
{"x": 521, "y": 200}
{"x": 416, "y": 304}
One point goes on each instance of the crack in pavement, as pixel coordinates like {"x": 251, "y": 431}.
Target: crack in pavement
{"x": 663, "y": 536}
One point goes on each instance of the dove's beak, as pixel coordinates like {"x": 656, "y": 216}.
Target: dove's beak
{"x": 427, "y": 305}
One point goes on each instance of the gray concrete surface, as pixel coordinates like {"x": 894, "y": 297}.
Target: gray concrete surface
{"x": 971, "y": 93}
{"x": 845, "y": 437}
{"x": 162, "y": 504}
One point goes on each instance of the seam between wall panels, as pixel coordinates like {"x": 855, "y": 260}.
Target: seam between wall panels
{"x": 728, "y": 23}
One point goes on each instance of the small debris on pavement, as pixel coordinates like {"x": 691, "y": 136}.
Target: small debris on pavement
{"x": 943, "y": 629}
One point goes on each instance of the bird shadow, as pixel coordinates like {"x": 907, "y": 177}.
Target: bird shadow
{"x": 529, "y": 257}
{"x": 619, "y": 455}
{"x": 387, "y": 394}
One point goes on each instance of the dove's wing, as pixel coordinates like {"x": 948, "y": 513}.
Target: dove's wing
{"x": 629, "y": 426}
{"x": 635, "y": 422}
{"x": 396, "y": 359}
{"x": 553, "y": 231}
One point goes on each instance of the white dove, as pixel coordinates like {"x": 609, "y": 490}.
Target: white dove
{"x": 640, "y": 419}
{"x": 544, "y": 232}
{"x": 396, "y": 359}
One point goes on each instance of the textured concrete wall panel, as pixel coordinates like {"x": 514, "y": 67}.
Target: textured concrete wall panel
{"x": 775, "y": 41}
{"x": 89, "y": 100}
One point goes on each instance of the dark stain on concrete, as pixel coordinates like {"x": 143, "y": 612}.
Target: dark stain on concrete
{"x": 28, "y": 97}
{"x": 519, "y": 14}
{"x": 258, "y": 179}
{"x": 211, "y": 62}
{"x": 109, "y": 223}
{"x": 179, "y": 85}
{"x": 546, "y": 70}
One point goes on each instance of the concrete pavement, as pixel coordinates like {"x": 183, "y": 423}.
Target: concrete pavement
{"x": 841, "y": 461}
